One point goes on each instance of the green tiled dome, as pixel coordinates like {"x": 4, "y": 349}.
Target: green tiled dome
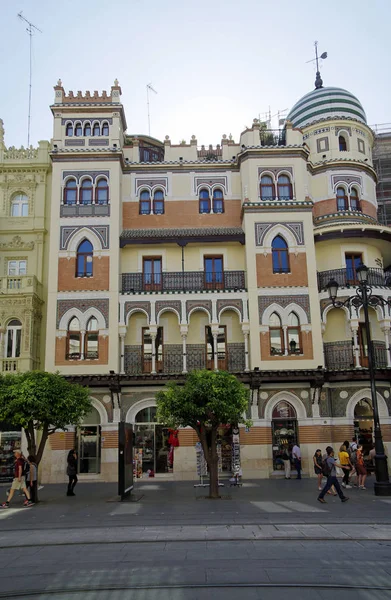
{"x": 326, "y": 103}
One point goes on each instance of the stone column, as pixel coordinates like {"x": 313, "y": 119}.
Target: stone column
{"x": 122, "y": 350}
{"x": 246, "y": 356}
{"x": 386, "y": 331}
{"x": 83, "y": 337}
{"x": 285, "y": 329}
{"x": 184, "y": 332}
{"x": 216, "y": 361}
{"x": 153, "y": 338}
{"x": 356, "y": 348}
{"x": 254, "y": 404}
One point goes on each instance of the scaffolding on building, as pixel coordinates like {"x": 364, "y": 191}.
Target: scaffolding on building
{"x": 382, "y": 163}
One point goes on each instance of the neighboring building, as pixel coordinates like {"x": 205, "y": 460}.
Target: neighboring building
{"x": 167, "y": 258}
{"x": 381, "y": 155}
{"x": 24, "y": 185}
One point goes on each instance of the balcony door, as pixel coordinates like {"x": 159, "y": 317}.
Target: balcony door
{"x": 214, "y": 273}
{"x": 152, "y": 273}
{"x": 352, "y": 262}
{"x": 222, "y": 357}
{"x": 150, "y": 346}
{"x": 363, "y": 341}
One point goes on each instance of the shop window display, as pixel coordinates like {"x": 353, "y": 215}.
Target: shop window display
{"x": 284, "y": 432}
{"x": 10, "y": 440}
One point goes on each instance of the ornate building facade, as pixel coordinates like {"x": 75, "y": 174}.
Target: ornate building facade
{"x": 166, "y": 258}
{"x": 24, "y": 185}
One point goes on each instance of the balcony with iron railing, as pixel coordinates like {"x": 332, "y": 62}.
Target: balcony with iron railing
{"x": 170, "y": 359}
{"x": 183, "y": 281}
{"x": 340, "y": 355}
{"x": 20, "y": 284}
{"x": 348, "y": 278}
{"x": 272, "y": 137}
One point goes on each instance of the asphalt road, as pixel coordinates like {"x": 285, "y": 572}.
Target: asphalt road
{"x": 269, "y": 539}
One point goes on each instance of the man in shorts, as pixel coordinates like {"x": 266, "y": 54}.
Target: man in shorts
{"x": 19, "y": 482}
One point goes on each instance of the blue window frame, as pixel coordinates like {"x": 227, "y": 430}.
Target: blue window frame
{"x": 204, "y": 202}
{"x": 145, "y": 203}
{"x": 280, "y": 255}
{"x": 218, "y": 201}
{"x": 158, "y": 203}
{"x": 84, "y": 259}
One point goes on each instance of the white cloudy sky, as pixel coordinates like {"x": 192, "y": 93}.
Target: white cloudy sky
{"x": 216, "y": 64}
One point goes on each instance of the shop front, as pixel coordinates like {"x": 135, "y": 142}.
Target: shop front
{"x": 153, "y": 444}
{"x": 89, "y": 443}
{"x": 363, "y": 424}
{"x": 284, "y": 432}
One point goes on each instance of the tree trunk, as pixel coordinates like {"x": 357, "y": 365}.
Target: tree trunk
{"x": 42, "y": 443}
{"x": 213, "y": 464}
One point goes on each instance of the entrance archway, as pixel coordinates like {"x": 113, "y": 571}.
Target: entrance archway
{"x": 151, "y": 447}
{"x": 284, "y": 431}
{"x": 363, "y": 424}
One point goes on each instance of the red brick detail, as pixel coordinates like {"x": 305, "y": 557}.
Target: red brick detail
{"x": 306, "y": 338}
{"x": 297, "y": 276}
{"x": 68, "y": 282}
{"x": 181, "y": 215}
{"x": 61, "y": 344}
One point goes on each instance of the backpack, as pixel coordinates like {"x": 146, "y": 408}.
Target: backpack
{"x": 353, "y": 457}
{"x": 26, "y": 469}
{"x": 326, "y": 470}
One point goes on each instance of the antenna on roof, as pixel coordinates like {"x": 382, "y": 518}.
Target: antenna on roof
{"x": 149, "y": 88}
{"x": 318, "y": 80}
{"x": 31, "y": 29}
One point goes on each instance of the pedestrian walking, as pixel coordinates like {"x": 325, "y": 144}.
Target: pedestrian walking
{"x": 71, "y": 472}
{"x": 346, "y": 466}
{"x": 19, "y": 481}
{"x": 32, "y": 478}
{"x": 287, "y": 462}
{"x": 360, "y": 468}
{"x": 296, "y": 455}
{"x": 329, "y": 470}
{"x": 317, "y": 458}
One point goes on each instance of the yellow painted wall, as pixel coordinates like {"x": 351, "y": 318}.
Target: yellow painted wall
{"x": 331, "y": 254}
{"x": 198, "y": 322}
{"x": 133, "y": 334}
{"x": 171, "y": 328}
{"x": 230, "y": 319}
{"x": 337, "y": 329}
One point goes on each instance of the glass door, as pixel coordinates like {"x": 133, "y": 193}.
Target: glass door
{"x": 352, "y": 261}
{"x": 89, "y": 448}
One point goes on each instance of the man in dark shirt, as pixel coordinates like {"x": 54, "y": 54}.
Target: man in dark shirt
{"x": 332, "y": 477}
{"x": 19, "y": 482}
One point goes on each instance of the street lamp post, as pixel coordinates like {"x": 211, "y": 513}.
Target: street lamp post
{"x": 365, "y": 298}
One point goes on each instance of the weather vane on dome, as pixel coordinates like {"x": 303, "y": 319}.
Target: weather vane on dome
{"x": 318, "y": 80}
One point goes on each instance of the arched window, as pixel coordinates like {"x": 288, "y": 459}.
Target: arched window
{"x": 105, "y": 129}
{"x": 204, "y": 205}
{"x": 91, "y": 339}
{"x": 294, "y": 341}
{"x": 218, "y": 201}
{"x": 158, "y": 203}
{"x": 284, "y": 186}
{"x": 70, "y": 192}
{"x": 342, "y": 199}
{"x": 354, "y": 199}
{"x": 84, "y": 257}
{"x": 342, "y": 143}
{"x": 280, "y": 255}
{"x": 78, "y": 130}
{"x": 86, "y": 192}
{"x": 102, "y": 192}
{"x": 20, "y": 206}
{"x": 96, "y": 129}
{"x": 276, "y": 334}
{"x": 87, "y": 129}
{"x": 267, "y": 188}
{"x": 73, "y": 351}
{"x": 13, "y": 340}
{"x": 69, "y": 130}
{"x": 145, "y": 203}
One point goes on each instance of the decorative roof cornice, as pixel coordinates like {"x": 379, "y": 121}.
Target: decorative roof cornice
{"x": 181, "y": 236}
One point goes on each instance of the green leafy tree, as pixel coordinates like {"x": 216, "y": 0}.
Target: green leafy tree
{"x": 41, "y": 402}
{"x": 207, "y": 400}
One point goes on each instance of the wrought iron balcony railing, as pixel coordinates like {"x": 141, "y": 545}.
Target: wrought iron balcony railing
{"x": 348, "y": 278}
{"x": 170, "y": 360}
{"x": 188, "y": 281}
{"x": 340, "y": 355}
